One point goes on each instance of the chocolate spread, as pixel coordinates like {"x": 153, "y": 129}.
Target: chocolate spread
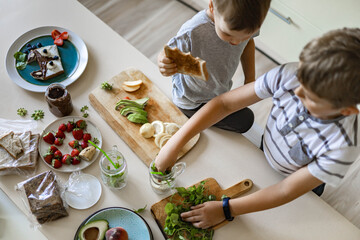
{"x": 59, "y": 100}
{"x": 42, "y": 61}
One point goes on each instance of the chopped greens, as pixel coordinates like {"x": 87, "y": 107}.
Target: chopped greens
{"x": 96, "y": 141}
{"x": 140, "y": 209}
{"x": 106, "y": 86}
{"x": 22, "y": 112}
{"x": 38, "y": 114}
{"x": 84, "y": 111}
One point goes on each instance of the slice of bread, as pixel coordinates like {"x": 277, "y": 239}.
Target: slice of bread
{"x": 12, "y": 144}
{"x": 187, "y": 64}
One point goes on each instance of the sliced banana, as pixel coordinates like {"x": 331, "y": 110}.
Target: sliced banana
{"x": 130, "y": 89}
{"x": 159, "y": 137}
{"x": 171, "y": 128}
{"x": 147, "y": 130}
{"x": 159, "y": 127}
{"x": 133, "y": 83}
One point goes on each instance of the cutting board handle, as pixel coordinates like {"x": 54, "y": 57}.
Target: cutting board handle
{"x": 239, "y": 188}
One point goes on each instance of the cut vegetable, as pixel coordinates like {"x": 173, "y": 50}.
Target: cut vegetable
{"x": 171, "y": 128}
{"x": 147, "y": 130}
{"x": 159, "y": 137}
{"x": 159, "y": 127}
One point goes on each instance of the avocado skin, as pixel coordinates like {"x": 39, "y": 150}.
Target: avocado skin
{"x": 101, "y": 225}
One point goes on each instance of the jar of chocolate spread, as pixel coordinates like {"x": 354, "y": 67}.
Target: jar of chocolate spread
{"x": 59, "y": 100}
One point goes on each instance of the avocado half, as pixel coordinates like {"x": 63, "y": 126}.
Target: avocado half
{"x": 94, "y": 230}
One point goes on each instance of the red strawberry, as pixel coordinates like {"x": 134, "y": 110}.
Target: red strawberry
{"x": 48, "y": 157}
{"x": 70, "y": 126}
{"x": 74, "y": 144}
{"x": 60, "y": 134}
{"x": 56, "y": 163}
{"x": 75, "y": 152}
{"x": 52, "y": 149}
{"x": 59, "y": 41}
{"x": 76, "y": 160}
{"x": 55, "y": 34}
{"x": 66, "y": 159}
{"x": 49, "y": 138}
{"x": 78, "y": 133}
{"x": 62, "y": 127}
{"x": 58, "y": 154}
{"x": 81, "y": 124}
{"x": 58, "y": 141}
{"x": 64, "y": 35}
{"x": 86, "y": 137}
{"x": 84, "y": 145}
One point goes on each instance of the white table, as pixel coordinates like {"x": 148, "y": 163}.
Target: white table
{"x": 228, "y": 157}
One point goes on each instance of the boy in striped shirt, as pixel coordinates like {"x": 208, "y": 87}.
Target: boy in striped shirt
{"x": 311, "y": 133}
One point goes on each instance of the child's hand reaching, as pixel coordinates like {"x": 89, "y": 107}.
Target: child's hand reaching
{"x": 205, "y": 215}
{"x": 166, "y": 66}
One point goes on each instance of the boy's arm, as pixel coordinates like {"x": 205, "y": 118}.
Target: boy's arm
{"x": 248, "y": 61}
{"x": 211, "y": 213}
{"x": 211, "y": 113}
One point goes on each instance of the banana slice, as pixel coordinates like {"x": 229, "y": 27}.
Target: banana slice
{"x": 171, "y": 128}
{"x": 159, "y": 127}
{"x": 159, "y": 137}
{"x": 147, "y": 130}
{"x": 133, "y": 83}
{"x": 130, "y": 89}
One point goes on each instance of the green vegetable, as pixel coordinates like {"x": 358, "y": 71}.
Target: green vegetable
{"x": 22, "y": 112}
{"x": 133, "y": 109}
{"x": 137, "y": 118}
{"x": 106, "y": 86}
{"x": 83, "y": 110}
{"x": 96, "y": 141}
{"x": 140, "y": 103}
{"x": 38, "y": 114}
{"x": 115, "y": 166}
{"x": 21, "y": 60}
{"x": 178, "y": 229}
{"x": 140, "y": 209}
{"x": 128, "y": 110}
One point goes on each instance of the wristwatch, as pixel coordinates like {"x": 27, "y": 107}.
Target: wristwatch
{"x": 226, "y": 209}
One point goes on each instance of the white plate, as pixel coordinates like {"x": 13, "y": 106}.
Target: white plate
{"x": 65, "y": 148}
{"x": 39, "y": 32}
{"x": 83, "y": 191}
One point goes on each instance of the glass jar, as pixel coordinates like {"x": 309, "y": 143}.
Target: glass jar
{"x": 162, "y": 184}
{"x": 114, "y": 177}
{"x": 59, "y": 100}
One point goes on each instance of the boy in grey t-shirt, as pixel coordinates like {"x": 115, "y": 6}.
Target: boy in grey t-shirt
{"x": 222, "y": 36}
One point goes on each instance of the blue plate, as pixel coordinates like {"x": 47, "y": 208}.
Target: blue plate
{"x": 73, "y": 53}
{"x": 136, "y": 227}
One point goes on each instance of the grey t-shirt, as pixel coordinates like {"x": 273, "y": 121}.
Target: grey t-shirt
{"x": 198, "y": 37}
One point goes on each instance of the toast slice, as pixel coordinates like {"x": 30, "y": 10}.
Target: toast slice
{"x": 12, "y": 144}
{"x": 187, "y": 64}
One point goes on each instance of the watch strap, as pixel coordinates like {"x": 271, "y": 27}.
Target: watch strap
{"x": 226, "y": 209}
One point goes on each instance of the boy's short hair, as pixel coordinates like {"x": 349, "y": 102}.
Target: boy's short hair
{"x": 330, "y": 67}
{"x": 242, "y": 14}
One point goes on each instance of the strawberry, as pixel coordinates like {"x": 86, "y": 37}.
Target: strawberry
{"x": 64, "y": 35}
{"x": 76, "y": 160}
{"x": 84, "y": 145}
{"x": 60, "y": 134}
{"x": 48, "y": 157}
{"x": 56, "y": 163}
{"x": 74, "y": 144}
{"x": 78, "y": 133}
{"x": 58, "y": 141}
{"x": 58, "y": 154}
{"x": 81, "y": 124}
{"x": 49, "y": 138}
{"x": 86, "y": 137}
{"x": 75, "y": 152}
{"x": 52, "y": 149}
{"x": 62, "y": 127}
{"x": 58, "y": 41}
{"x": 70, "y": 126}
{"x": 66, "y": 159}
{"x": 55, "y": 34}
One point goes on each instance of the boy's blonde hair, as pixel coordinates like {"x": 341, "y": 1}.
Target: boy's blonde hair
{"x": 330, "y": 67}
{"x": 242, "y": 14}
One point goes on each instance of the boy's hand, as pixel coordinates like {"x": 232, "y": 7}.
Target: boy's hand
{"x": 166, "y": 66}
{"x": 205, "y": 215}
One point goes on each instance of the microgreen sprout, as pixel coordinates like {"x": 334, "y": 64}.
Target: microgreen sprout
{"x": 140, "y": 209}
{"x": 22, "y": 112}
{"x": 84, "y": 111}
{"x": 116, "y": 166}
{"x": 106, "y": 86}
{"x": 38, "y": 114}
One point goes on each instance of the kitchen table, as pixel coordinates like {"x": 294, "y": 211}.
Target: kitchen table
{"x": 225, "y": 156}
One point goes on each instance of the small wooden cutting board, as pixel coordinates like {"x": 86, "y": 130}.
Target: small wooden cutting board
{"x": 158, "y": 209}
{"x": 159, "y": 107}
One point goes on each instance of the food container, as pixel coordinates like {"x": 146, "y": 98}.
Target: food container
{"x": 163, "y": 183}
{"x": 59, "y": 100}
{"x": 114, "y": 177}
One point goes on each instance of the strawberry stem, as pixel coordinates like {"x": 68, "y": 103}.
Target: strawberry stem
{"x": 116, "y": 167}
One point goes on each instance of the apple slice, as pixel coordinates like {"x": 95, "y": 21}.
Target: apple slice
{"x": 133, "y": 83}
{"x": 130, "y": 89}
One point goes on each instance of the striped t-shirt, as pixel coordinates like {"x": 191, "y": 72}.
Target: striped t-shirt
{"x": 293, "y": 138}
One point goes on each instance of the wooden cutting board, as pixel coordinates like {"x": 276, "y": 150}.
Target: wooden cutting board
{"x": 158, "y": 209}
{"x": 159, "y": 107}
